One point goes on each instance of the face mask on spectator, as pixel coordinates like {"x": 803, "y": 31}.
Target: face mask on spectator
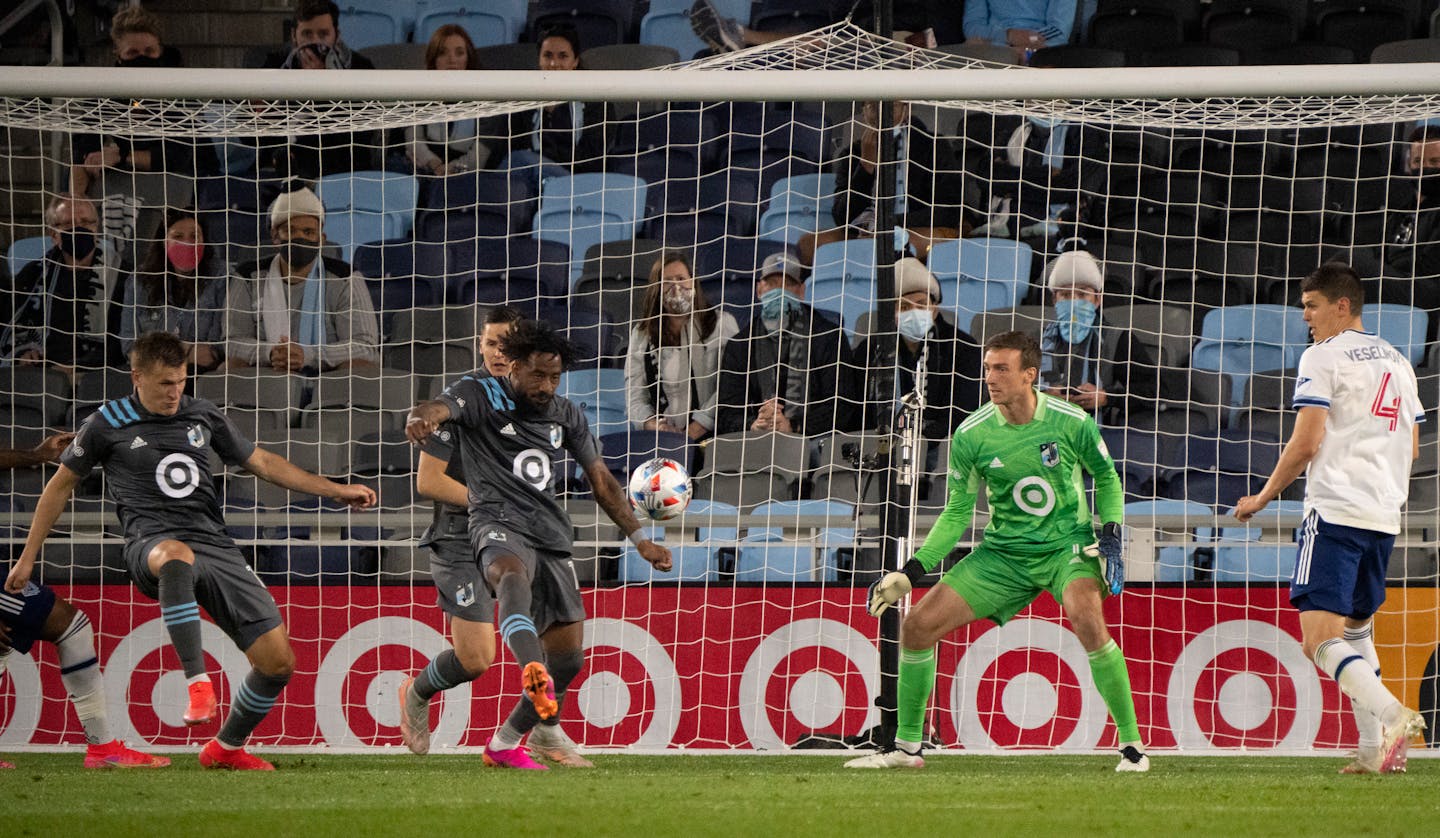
{"x": 184, "y": 255}
{"x": 776, "y": 303}
{"x": 1076, "y": 319}
{"x": 1427, "y": 182}
{"x": 167, "y": 58}
{"x": 915, "y": 324}
{"x": 77, "y": 243}
{"x": 679, "y": 300}
{"x": 299, "y": 252}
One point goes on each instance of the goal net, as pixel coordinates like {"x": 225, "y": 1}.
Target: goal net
{"x": 718, "y": 264}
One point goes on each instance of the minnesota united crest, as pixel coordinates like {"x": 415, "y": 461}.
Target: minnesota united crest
{"x": 557, "y": 436}
{"x": 1049, "y": 454}
{"x": 196, "y": 435}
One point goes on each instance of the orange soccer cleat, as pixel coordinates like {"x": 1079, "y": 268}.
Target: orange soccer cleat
{"x": 202, "y": 704}
{"x": 114, "y": 754}
{"x": 214, "y": 755}
{"x": 540, "y": 689}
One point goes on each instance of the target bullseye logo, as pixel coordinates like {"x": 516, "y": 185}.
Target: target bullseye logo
{"x": 1244, "y": 682}
{"x": 1034, "y": 495}
{"x": 631, "y": 692}
{"x": 843, "y": 674}
{"x": 177, "y": 475}
{"x": 1027, "y": 676}
{"x": 351, "y": 710}
{"x": 145, "y": 702}
{"x": 20, "y": 711}
{"x": 533, "y": 466}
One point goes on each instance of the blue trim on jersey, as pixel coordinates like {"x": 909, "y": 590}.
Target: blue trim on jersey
{"x": 516, "y": 623}
{"x": 128, "y": 409}
{"x": 1312, "y": 401}
{"x": 498, "y": 399}
{"x": 108, "y": 416}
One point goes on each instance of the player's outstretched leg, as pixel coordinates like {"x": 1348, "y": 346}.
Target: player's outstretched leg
{"x": 444, "y": 672}
{"x": 272, "y": 661}
{"x": 917, "y": 678}
{"x": 512, "y": 594}
{"x": 174, "y": 568}
{"x": 547, "y": 739}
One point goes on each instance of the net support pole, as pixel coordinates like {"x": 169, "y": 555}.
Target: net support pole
{"x": 894, "y": 519}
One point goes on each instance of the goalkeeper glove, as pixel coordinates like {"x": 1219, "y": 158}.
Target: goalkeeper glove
{"x": 1109, "y": 549}
{"x": 888, "y": 589}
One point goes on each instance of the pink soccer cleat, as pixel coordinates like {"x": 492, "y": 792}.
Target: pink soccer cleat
{"x": 512, "y": 758}
{"x": 4, "y": 765}
{"x": 114, "y": 754}
{"x": 202, "y": 704}
{"x": 213, "y": 755}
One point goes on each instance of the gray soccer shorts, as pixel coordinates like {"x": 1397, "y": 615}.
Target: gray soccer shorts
{"x": 225, "y": 586}
{"x": 460, "y": 588}
{"x": 554, "y": 587}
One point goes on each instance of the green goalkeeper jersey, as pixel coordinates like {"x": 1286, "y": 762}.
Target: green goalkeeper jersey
{"x": 1032, "y": 480}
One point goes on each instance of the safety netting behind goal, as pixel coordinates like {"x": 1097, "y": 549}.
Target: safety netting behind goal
{"x": 655, "y": 234}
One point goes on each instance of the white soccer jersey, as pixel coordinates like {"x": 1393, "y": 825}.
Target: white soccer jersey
{"x": 1361, "y": 476}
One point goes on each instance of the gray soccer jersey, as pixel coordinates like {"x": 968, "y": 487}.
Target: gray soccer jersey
{"x": 441, "y": 446}
{"x": 157, "y": 468}
{"x": 510, "y": 457}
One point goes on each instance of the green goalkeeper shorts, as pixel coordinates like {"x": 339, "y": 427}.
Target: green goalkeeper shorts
{"x": 998, "y": 586}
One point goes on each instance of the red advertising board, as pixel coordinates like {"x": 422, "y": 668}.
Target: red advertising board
{"x": 739, "y": 667}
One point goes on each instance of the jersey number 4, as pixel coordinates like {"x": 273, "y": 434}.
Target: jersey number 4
{"x": 1386, "y": 409}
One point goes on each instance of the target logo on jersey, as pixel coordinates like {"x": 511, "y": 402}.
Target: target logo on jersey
{"x": 660, "y": 489}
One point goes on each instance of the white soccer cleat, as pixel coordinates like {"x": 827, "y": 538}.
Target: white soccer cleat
{"x": 1132, "y": 760}
{"x": 1363, "y": 762}
{"x": 551, "y": 743}
{"x": 1395, "y": 744}
{"x": 414, "y": 719}
{"x": 893, "y": 758}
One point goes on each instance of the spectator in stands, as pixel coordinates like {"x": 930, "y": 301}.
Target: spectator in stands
{"x": 179, "y": 287}
{"x": 136, "y": 39}
{"x": 1023, "y": 25}
{"x": 917, "y": 22}
{"x": 565, "y": 138}
{"x": 301, "y": 311}
{"x": 1086, "y": 361}
{"x": 792, "y": 371}
{"x": 672, "y": 369}
{"x": 928, "y": 179}
{"x": 951, "y": 356}
{"x": 1409, "y": 259}
{"x": 316, "y": 42}
{"x": 317, "y": 46}
{"x": 56, "y": 310}
{"x": 443, "y": 148}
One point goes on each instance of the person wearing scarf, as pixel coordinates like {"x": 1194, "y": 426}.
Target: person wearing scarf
{"x": 1084, "y": 360}
{"x": 300, "y": 311}
{"x": 672, "y": 368}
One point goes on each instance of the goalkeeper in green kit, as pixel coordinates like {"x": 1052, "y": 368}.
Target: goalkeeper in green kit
{"x": 1029, "y": 450}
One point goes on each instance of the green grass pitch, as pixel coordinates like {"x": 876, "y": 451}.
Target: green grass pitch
{"x": 955, "y": 795}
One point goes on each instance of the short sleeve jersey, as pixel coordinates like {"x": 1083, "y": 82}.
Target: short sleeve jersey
{"x": 511, "y": 454}
{"x": 441, "y": 446}
{"x": 1361, "y": 475}
{"x": 157, "y": 468}
{"x": 1033, "y": 476}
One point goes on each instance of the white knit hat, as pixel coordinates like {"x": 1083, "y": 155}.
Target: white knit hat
{"x": 1076, "y": 267}
{"x": 911, "y": 275}
{"x": 302, "y": 201}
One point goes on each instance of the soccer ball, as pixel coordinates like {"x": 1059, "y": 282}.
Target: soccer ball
{"x": 659, "y": 489}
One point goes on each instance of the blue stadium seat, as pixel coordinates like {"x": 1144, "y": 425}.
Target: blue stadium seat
{"x": 671, "y": 28}
{"x": 582, "y": 210}
{"x": 391, "y": 195}
{"x": 600, "y": 394}
{"x": 691, "y": 231}
{"x": 547, "y": 262}
{"x": 792, "y": 15}
{"x": 692, "y": 562}
{"x": 24, "y": 251}
{"x": 1279, "y": 324}
{"x": 368, "y": 23}
{"x": 502, "y": 201}
{"x": 1241, "y": 360}
{"x": 599, "y": 22}
{"x": 393, "y": 274}
{"x": 843, "y": 281}
{"x": 1254, "y": 561}
{"x": 1403, "y": 326}
{"x": 1175, "y": 564}
{"x": 799, "y": 204}
{"x": 588, "y": 330}
{"x": 349, "y": 230}
{"x": 980, "y": 274}
{"x": 623, "y": 452}
{"x": 765, "y": 555}
{"x": 496, "y": 22}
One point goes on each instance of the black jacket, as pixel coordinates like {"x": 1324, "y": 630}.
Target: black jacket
{"x": 752, "y": 373}
{"x": 954, "y": 381}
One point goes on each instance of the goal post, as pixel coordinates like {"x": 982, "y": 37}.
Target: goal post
{"x": 1204, "y": 194}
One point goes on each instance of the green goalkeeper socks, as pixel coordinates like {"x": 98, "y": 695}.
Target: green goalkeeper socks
{"x": 1107, "y": 665}
{"x": 917, "y": 677}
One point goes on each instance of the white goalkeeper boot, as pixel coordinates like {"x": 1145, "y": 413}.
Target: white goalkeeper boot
{"x": 551, "y": 743}
{"x": 1132, "y": 759}
{"x": 892, "y": 758}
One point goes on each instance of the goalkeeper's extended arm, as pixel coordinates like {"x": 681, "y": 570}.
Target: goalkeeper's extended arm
{"x": 892, "y": 587}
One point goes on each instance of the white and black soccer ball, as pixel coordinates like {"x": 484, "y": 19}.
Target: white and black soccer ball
{"x": 660, "y": 489}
